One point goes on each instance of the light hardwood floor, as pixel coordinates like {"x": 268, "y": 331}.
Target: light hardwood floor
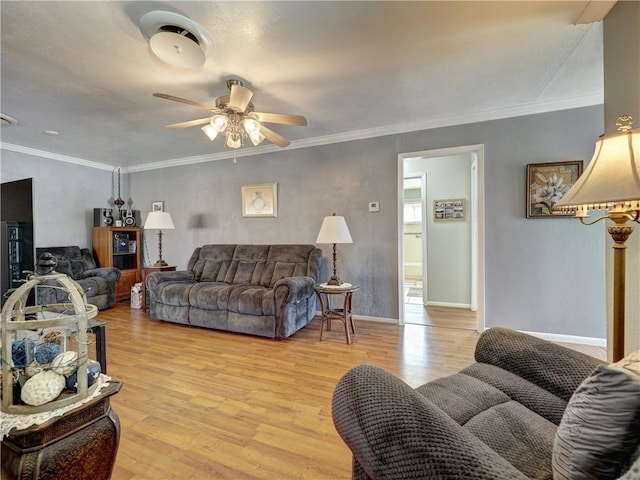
{"x": 203, "y": 404}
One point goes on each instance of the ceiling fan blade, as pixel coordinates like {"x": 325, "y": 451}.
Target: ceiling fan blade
{"x": 187, "y": 101}
{"x": 274, "y": 137}
{"x": 240, "y": 97}
{"x": 281, "y": 118}
{"x": 190, "y": 123}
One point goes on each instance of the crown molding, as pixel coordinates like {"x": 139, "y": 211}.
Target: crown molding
{"x": 55, "y": 156}
{"x": 447, "y": 121}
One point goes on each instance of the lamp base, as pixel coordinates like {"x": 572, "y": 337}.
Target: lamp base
{"x": 160, "y": 263}
{"x": 334, "y": 280}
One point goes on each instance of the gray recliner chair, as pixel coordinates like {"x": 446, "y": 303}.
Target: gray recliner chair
{"x": 99, "y": 284}
{"x": 528, "y": 409}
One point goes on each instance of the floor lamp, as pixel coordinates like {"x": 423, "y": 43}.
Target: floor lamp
{"x": 611, "y": 184}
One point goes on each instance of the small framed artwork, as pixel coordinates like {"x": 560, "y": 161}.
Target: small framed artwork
{"x": 450, "y": 209}
{"x": 547, "y": 183}
{"x": 157, "y": 206}
{"x": 260, "y": 200}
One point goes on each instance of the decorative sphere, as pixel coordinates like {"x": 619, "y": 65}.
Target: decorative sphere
{"x": 42, "y": 388}
{"x": 20, "y": 350}
{"x": 65, "y": 363}
{"x": 33, "y": 368}
{"x": 46, "y": 352}
{"x": 93, "y": 372}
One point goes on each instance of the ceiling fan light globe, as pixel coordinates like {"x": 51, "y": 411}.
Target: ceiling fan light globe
{"x": 177, "y": 50}
{"x": 219, "y": 123}
{"x": 256, "y": 138}
{"x": 234, "y": 140}
{"x": 251, "y": 125}
{"x": 210, "y": 132}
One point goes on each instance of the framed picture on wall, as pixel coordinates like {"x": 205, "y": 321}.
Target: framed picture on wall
{"x": 547, "y": 183}
{"x": 450, "y": 209}
{"x": 260, "y": 200}
{"x": 157, "y": 206}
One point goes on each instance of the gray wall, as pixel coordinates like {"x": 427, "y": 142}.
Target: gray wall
{"x": 64, "y": 196}
{"x": 541, "y": 275}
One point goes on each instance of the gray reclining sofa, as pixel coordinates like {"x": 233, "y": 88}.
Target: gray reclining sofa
{"x": 527, "y": 409}
{"x": 264, "y": 290}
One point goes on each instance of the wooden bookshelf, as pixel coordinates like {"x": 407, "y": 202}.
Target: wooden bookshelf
{"x": 119, "y": 247}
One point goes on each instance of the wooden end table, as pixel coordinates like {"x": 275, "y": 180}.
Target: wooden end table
{"x": 146, "y": 271}
{"x": 80, "y": 444}
{"x": 334, "y": 313}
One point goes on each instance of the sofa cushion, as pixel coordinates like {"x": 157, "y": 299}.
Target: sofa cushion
{"x": 251, "y": 300}
{"x": 599, "y": 430}
{"x": 210, "y": 295}
{"x": 462, "y": 397}
{"x": 210, "y": 261}
{"x": 518, "y": 435}
{"x": 535, "y": 398}
{"x": 173, "y": 293}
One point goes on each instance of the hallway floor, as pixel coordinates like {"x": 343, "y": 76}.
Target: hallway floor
{"x": 418, "y": 314}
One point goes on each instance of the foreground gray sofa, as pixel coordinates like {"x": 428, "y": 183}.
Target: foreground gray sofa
{"x": 528, "y": 409}
{"x": 99, "y": 284}
{"x": 264, "y": 290}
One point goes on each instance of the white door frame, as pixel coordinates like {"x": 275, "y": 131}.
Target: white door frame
{"x": 477, "y": 241}
{"x": 423, "y": 232}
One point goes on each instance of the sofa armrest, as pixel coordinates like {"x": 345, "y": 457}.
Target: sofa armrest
{"x": 156, "y": 278}
{"x": 553, "y": 367}
{"x": 396, "y": 433}
{"x": 293, "y": 289}
{"x": 111, "y": 274}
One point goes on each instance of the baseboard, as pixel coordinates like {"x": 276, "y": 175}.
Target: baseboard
{"x": 556, "y": 337}
{"x": 451, "y": 305}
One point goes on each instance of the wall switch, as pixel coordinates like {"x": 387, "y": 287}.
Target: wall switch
{"x": 374, "y": 206}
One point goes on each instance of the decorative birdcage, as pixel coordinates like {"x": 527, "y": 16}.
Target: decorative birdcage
{"x": 45, "y": 363}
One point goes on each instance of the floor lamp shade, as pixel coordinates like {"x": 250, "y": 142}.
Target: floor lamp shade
{"x": 159, "y": 221}
{"x": 334, "y": 230}
{"x": 611, "y": 184}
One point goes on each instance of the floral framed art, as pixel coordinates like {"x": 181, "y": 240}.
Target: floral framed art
{"x": 260, "y": 200}
{"x": 547, "y": 183}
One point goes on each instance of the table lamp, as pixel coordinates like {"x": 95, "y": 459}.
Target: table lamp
{"x": 611, "y": 184}
{"x": 159, "y": 221}
{"x": 334, "y": 230}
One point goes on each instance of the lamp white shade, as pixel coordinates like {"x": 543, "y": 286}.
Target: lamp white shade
{"x": 334, "y": 230}
{"x": 177, "y": 50}
{"x": 612, "y": 177}
{"x": 158, "y": 221}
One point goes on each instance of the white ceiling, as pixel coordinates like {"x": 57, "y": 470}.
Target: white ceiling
{"x": 354, "y": 69}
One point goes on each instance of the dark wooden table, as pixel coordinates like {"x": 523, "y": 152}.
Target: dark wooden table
{"x": 81, "y": 444}
{"x": 334, "y": 313}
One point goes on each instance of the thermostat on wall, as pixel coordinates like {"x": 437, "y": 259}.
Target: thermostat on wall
{"x": 374, "y": 206}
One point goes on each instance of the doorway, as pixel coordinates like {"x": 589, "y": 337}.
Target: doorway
{"x": 441, "y": 255}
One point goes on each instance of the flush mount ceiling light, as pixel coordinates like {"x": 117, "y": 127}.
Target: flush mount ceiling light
{"x": 175, "y": 39}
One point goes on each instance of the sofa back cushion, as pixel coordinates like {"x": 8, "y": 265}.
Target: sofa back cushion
{"x": 71, "y": 260}
{"x": 291, "y": 261}
{"x": 210, "y": 262}
{"x": 254, "y": 264}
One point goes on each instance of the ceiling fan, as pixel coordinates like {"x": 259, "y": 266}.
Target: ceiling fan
{"x": 233, "y": 116}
